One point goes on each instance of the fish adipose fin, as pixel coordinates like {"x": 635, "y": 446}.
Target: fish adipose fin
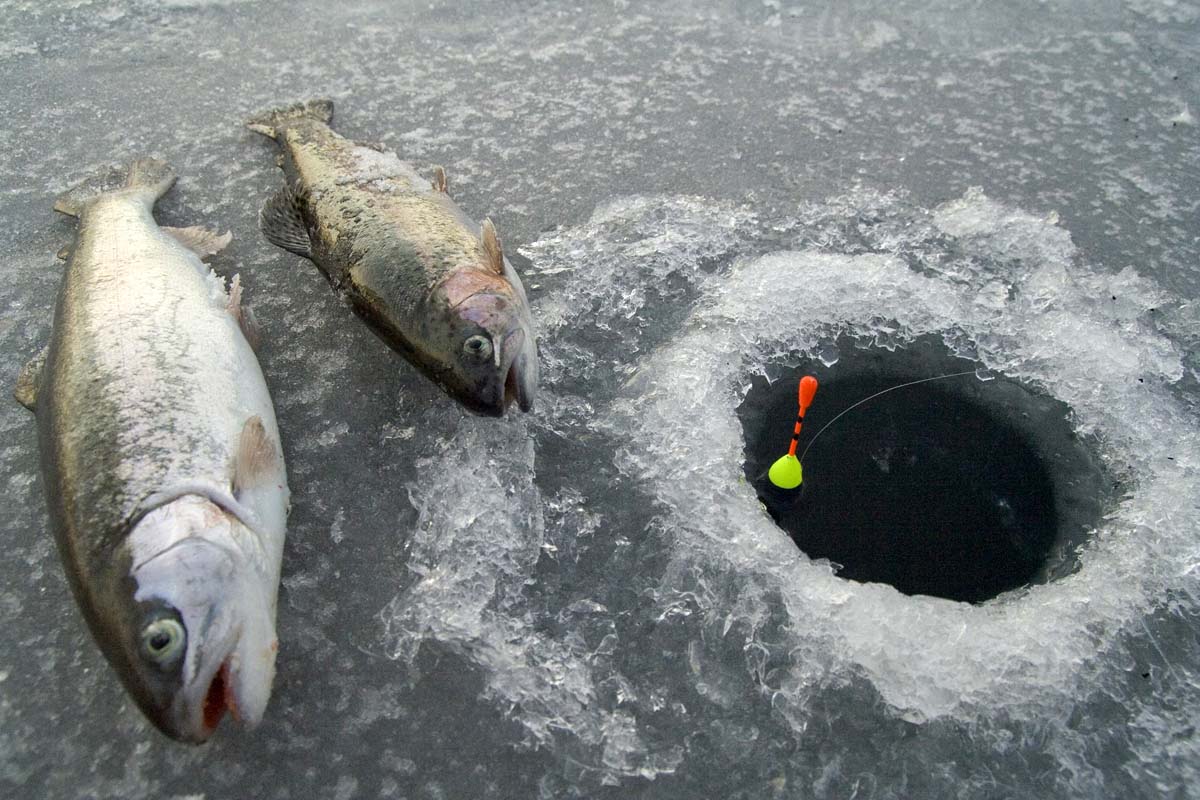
{"x": 282, "y": 223}
{"x": 492, "y": 248}
{"x": 200, "y": 241}
{"x": 439, "y": 180}
{"x": 146, "y": 178}
{"x": 271, "y": 123}
{"x": 257, "y": 456}
{"x": 29, "y": 378}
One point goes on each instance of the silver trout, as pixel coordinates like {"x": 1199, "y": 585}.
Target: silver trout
{"x": 431, "y": 283}
{"x": 161, "y": 461}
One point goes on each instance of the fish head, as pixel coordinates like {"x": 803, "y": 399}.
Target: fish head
{"x": 197, "y": 637}
{"x": 491, "y": 358}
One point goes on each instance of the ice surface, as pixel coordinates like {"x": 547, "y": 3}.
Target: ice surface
{"x": 588, "y": 601}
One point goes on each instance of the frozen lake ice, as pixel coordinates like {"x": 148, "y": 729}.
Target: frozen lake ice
{"x": 590, "y": 601}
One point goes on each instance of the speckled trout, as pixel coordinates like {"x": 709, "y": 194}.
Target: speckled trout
{"x": 433, "y": 284}
{"x": 160, "y": 459}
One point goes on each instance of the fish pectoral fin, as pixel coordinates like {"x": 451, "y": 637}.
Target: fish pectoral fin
{"x": 283, "y": 224}
{"x": 64, "y": 253}
{"x": 440, "y": 183}
{"x": 257, "y": 457}
{"x": 244, "y": 316}
{"x": 29, "y": 378}
{"x": 199, "y": 240}
{"x": 492, "y": 248}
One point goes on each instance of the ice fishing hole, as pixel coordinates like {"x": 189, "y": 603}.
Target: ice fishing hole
{"x": 958, "y": 488}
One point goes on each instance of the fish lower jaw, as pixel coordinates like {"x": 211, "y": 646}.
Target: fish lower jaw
{"x": 218, "y": 699}
{"x": 239, "y": 689}
{"x": 514, "y": 390}
{"x": 511, "y": 388}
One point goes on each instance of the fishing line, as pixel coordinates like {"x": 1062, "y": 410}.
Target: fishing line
{"x": 813, "y": 440}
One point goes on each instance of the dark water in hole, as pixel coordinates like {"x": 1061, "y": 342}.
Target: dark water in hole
{"x": 957, "y": 488}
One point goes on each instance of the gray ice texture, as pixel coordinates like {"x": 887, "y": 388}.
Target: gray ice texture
{"x": 589, "y": 602}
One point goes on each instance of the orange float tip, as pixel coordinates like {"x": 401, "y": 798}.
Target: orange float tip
{"x": 808, "y": 389}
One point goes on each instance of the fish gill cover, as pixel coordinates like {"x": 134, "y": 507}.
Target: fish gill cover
{"x": 628, "y": 601}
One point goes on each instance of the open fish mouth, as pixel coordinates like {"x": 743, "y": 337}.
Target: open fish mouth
{"x": 219, "y": 698}
{"x": 514, "y": 389}
{"x": 515, "y": 386}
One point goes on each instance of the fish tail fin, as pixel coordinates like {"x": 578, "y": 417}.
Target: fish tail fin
{"x": 271, "y": 123}
{"x": 147, "y": 178}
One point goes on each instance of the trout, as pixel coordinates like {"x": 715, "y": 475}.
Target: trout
{"x": 429, "y": 281}
{"x": 161, "y": 460}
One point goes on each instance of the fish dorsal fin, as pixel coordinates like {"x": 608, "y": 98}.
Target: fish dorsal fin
{"x": 29, "y": 378}
{"x": 492, "y": 248}
{"x": 439, "y": 180}
{"x": 244, "y": 316}
{"x": 257, "y": 457}
{"x": 199, "y": 240}
{"x": 283, "y": 224}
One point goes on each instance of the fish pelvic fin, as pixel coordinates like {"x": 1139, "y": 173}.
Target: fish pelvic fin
{"x": 283, "y": 223}
{"x": 199, "y": 240}
{"x": 145, "y": 178}
{"x": 29, "y": 379}
{"x": 439, "y": 182}
{"x": 257, "y": 456}
{"x": 271, "y": 123}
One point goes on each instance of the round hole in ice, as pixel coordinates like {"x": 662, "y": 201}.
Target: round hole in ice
{"x": 959, "y": 488}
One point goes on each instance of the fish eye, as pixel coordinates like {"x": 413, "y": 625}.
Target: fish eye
{"x": 163, "y": 640}
{"x": 478, "y": 346}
